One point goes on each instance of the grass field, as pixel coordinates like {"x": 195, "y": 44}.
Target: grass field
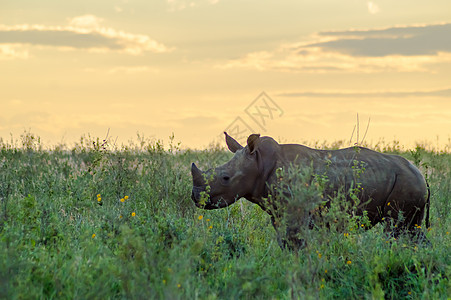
{"x": 98, "y": 222}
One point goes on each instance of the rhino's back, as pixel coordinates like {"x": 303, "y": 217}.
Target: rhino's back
{"x": 372, "y": 164}
{"x": 377, "y": 173}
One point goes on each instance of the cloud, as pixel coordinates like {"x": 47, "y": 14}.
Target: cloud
{"x": 82, "y": 33}
{"x": 86, "y": 21}
{"x": 443, "y": 93}
{"x": 319, "y": 61}
{"x": 128, "y": 70}
{"x": 373, "y": 8}
{"x": 11, "y": 51}
{"x": 132, "y": 70}
{"x": 401, "y": 49}
{"x": 177, "y": 5}
{"x": 406, "y": 41}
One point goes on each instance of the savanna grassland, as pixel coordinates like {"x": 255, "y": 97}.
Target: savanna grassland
{"x": 105, "y": 222}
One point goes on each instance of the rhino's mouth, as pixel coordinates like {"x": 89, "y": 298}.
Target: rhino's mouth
{"x": 211, "y": 202}
{"x": 199, "y": 189}
{"x": 196, "y": 193}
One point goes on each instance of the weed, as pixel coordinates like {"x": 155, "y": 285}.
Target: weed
{"x": 57, "y": 241}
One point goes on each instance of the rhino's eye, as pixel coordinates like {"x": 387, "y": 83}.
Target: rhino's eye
{"x": 225, "y": 179}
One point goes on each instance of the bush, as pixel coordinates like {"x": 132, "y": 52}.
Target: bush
{"x": 100, "y": 222}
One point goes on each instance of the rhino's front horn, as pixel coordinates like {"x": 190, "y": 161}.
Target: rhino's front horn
{"x": 198, "y": 178}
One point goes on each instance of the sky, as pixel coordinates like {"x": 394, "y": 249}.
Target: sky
{"x": 296, "y": 70}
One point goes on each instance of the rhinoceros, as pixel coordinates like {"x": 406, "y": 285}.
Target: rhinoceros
{"x": 387, "y": 184}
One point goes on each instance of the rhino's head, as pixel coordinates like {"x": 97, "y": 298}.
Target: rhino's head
{"x": 243, "y": 176}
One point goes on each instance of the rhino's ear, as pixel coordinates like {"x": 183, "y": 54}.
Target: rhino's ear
{"x": 253, "y": 141}
{"x": 232, "y": 144}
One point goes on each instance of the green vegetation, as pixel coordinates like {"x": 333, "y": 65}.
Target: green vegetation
{"x": 99, "y": 222}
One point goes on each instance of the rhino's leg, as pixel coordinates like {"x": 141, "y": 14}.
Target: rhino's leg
{"x": 294, "y": 242}
{"x": 404, "y": 208}
{"x": 399, "y": 218}
{"x": 287, "y": 236}
{"x": 280, "y": 240}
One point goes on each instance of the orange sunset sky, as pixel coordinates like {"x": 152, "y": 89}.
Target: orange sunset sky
{"x": 197, "y": 67}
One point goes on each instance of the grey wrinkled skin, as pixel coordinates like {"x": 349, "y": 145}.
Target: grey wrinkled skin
{"x": 391, "y": 184}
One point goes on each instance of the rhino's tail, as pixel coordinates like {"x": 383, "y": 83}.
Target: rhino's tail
{"x": 428, "y": 204}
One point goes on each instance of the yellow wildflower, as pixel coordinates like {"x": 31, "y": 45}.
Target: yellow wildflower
{"x": 122, "y": 200}
{"x": 208, "y": 220}
{"x": 93, "y": 235}
{"x": 179, "y": 285}
{"x": 133, "y": 214}
{"x": 126, "y": 197}
{"x": 210, "y": 227}
{"x": 98, "y": 195}
{"x": 99, "y": 199}
{"x": 349, "y": 262}
{"x": 200, "y": 217}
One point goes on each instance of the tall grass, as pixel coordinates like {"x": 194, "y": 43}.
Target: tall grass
{"x": 96, "y": 221}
